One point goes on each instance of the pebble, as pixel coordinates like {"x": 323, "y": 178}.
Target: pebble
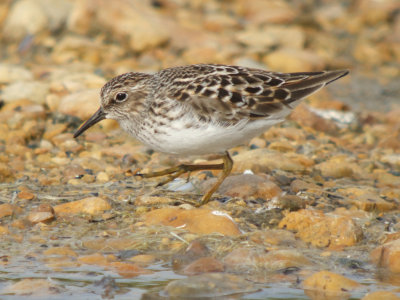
{"x": 247, "y": 186}
{"x": 379, "y": 295}
{"x": 44, "y": 213}
{"x": 323, "y": 230}
{"x": 203, "y": 265}
{"x": 328, "y": 284}
{"x": 33, "y": 287}
{"x": 60, "y": 251}
{"x": 208, "y": 285}
{"x": 90, "y": 205}
{"x": 387, "y": 256}
{"x": 251, "y": 260}
{"x": 201, "y": 220}
{"x": 7, "y": 209}
{"x": 263, "y": 160}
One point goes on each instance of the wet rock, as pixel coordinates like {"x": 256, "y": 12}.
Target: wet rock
{"x": 201, "y": 221}
{"x": 42, "y": 214}
{"x": 111, "y": 243}
{"x": 247, "y": 186}
{"x": 90, "y": 205}
{"x": 32, "y": 287}
{"x": 387, "y": 256}
{"x": 208, "y": 285}
{"x": 323, "y": 230}
{"x": 194, "y": 251}
{"x": 203, "y": 265}
{"x": 327, "y": 284}
{"x": 274, "y": 237}
{"x": 251, "y": 260}
{"x": 60, "y": 251}
{"x": 379, "y": 295}
{"x": 127, "y": 270}
{"x": 143, "y": 260}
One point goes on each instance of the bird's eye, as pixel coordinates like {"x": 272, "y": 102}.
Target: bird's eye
{"x": 120, "y": 97}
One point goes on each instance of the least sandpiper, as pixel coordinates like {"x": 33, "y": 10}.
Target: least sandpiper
{"x": 203, "y": 109}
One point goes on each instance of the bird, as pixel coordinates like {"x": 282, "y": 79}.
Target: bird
{"x": 203, "y": 109}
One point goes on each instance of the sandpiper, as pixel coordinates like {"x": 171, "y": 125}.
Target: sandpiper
{"x": 203, "y": 109}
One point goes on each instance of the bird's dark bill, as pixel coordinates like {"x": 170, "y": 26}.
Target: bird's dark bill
{"x": 97, "y": 117}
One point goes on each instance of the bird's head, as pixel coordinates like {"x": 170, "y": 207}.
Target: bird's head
{"x": 121, "y": 98}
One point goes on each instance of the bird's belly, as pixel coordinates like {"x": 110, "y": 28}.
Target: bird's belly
{"x": 207, "y": 139}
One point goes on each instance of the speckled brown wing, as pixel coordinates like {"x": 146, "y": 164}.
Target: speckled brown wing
{"x": 231, "y": 93}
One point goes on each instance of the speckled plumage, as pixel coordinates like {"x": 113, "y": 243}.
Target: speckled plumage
{"x": 203, "y": 109}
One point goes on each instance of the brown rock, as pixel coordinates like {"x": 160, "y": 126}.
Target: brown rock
{"x": 143, "y": 260}
{"x": 111, "y": 243}
{"x": 245, "y": 259}
{"x": 248, "y": 186}
{"x": 60, "y": 251}
{"x": 208, "y": 285}
{"x": 194, "y": 251}
{"x": 201, "y": 220}
{"x": 274, "y": 237}
{"x": 264, "y": 160}
{"x": 299, "y": 185}
{"x": 93, "y": 259}
{"x": 4, "y": 230}
{"x": 338, "y": 167}
{"x": 327, "y": 284}
{"x": 6, "y": 209}
{"x": 322, "y": 230}
{"x": 26, "y": 195}
{"x": 307, "y": 118}
{"x": 203, "y": 265}
{"x": 72, "y": 171}
{"x": 367, "y": 199}
{"x": 124, "y": 269}
{"x": 387, "y": 256}
{"x": 5, "y": 173}
{"x": 127, "y": 270}
{"x": 32, "y": 287}
{"x": 43, "y": 213}
{"x": 380, "y": 295}
{"x": 90, "y": 205}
